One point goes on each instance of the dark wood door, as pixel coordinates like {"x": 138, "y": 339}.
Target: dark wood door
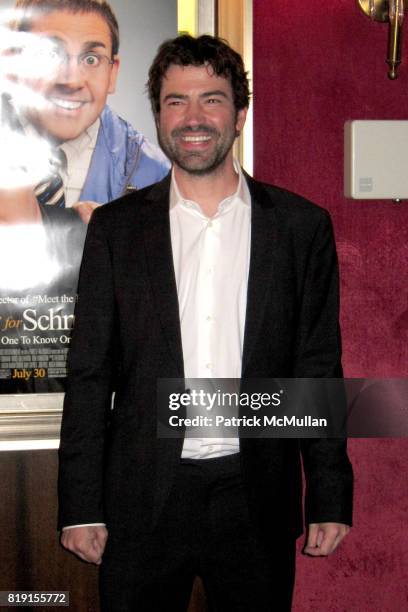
{"x": 31, "y": 558}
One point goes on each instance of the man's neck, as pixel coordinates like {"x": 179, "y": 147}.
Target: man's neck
{"x": 208, "y": 190}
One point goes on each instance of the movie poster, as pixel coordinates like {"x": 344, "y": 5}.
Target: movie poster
{"x": 40, "y": 267}
{"x": 74, "y": 124}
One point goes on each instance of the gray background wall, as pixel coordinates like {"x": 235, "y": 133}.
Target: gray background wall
{"x": 143, "y": 24}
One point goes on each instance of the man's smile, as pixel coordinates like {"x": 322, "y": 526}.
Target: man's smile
{"x": 70, "y": 105}
{"x": 196, "y": 138}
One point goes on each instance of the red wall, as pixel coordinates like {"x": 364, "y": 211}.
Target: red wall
{"x": 317, "y": 64}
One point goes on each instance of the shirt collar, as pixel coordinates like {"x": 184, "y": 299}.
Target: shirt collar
{"x": 241, "y": 196}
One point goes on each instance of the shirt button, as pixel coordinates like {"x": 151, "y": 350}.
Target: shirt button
{"x": 209, "y": 318}
{"x": 208, "y": 366}
{"x": 210, "y": 224}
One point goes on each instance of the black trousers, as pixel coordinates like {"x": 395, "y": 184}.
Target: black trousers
{"x": 205, "y": 530}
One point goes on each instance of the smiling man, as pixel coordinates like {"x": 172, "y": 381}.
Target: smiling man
{"x": 198, "y": 147}
{"x": 67, "y": 64}
{"x": 207, "y": 274}
{"x": 83, "y": 71}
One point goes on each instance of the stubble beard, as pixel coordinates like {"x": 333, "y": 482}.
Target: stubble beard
{"x": 197, "y": 163}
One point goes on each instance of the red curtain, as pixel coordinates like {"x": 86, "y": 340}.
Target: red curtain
{"x": 316, "y": 65}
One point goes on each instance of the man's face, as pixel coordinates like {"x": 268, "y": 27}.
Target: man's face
{"x": 73, "y": 95}
{"x": 197, "y": 123}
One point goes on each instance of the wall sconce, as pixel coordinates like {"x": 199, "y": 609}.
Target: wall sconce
{"x": 393, "y": 12}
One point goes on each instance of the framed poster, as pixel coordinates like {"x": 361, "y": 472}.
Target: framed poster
{"x": 76, "y": 131}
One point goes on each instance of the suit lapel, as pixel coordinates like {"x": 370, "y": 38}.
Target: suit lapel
{"x": 160, "y": 266}
{"x": 263, "y": 241}
{"x": 161, "y": 270}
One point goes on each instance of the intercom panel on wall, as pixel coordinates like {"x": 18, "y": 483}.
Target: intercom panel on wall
{"x": 376, "y": 160}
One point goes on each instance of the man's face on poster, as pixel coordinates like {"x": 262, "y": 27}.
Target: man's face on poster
{"x": 78, "y": 72}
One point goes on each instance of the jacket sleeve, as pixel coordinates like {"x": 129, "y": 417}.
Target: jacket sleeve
{"x": 88, "y": 396}
{"x": 328, "y": 472}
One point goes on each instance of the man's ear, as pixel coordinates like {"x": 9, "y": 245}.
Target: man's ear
{"x": 114, "y": 74}
{"x": 241, "y": 118}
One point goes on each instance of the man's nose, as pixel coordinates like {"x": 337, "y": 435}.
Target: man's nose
{"x": 194, "y": 114}
{"x": 69, "y": 71}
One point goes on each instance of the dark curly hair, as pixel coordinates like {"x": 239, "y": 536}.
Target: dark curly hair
{"x": 206, "y": 50}
{"x": 27, "y": 9}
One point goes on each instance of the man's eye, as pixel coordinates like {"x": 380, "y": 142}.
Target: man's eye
{"x": 14, "y": 51}
{"x": 51, "y": 55}
{"x": 90, "y": 60}
{"x": 54, "y": 55}
{"x": 213, "y": 100}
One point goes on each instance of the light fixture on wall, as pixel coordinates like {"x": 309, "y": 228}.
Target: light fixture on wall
{"x": 393, "y": 12}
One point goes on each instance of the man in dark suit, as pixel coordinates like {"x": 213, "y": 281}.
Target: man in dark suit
{"x": 206, "y": 274}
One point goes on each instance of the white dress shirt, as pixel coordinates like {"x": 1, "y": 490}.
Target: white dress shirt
{"x": 78, "y": 153}
{"x": 211, "y": 262}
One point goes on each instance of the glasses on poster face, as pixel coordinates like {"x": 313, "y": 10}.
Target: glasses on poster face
{"x": 88, "y": 62}
{"x": 30, "y": 56}
{"x": 45, "y": 60}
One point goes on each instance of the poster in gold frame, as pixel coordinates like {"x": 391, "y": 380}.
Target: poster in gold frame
{"x": 39, "y": 250}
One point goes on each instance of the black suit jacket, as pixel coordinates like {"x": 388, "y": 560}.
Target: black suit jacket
{"x": 113, "y": 468}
